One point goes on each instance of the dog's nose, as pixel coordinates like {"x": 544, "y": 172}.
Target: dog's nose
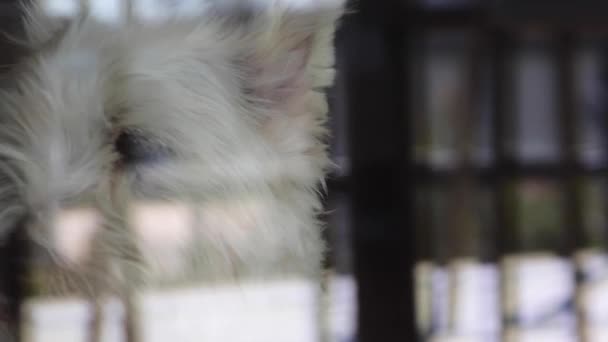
{"x": 136, "y": 147}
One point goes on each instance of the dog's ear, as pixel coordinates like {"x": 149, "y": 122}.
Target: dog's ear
{"x": 289, "y": 52}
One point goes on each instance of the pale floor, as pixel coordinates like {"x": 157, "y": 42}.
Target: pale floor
{"x": 285, "y": 312}
{"x": 461, "y": 303}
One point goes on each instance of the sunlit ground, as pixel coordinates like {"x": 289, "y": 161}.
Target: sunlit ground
{"x": 462, "y": 303}
{"x": 280, "y": 311}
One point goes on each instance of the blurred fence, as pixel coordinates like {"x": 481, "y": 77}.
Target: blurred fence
{"x": 478, "y": 140}
{"x": 470, "y": 203}
{"x": 509, "y": 152}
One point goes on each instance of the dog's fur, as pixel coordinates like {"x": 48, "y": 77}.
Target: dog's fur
{"x": 232, "y": 105}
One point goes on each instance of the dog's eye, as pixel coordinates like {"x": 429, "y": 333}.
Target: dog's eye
{"x": 136, "y": 147}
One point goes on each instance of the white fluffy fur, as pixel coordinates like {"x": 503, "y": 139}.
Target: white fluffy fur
{"x": 239, "y": 102}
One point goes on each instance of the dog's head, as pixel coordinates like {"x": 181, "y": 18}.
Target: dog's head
{"x": 220, "y": 112}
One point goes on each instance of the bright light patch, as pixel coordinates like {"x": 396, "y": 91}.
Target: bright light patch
{"x": 163, "y": 224}
{"x": 109, "y": 11}
{"x": 73, "y": 232}
{"x": 280, "y": 311}
{"x": 60, "y": 8}
{"x": 113, "y": 11}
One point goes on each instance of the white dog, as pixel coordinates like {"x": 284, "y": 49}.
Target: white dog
{"x": 210, "y": 109}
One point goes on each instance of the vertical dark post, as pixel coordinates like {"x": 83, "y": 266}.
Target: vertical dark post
{"x": 383, "y": 227}
{"x": 13, "y": 270}
{"x": 574, "y": 235}
{"x": 503, "y": 165}
{"x": 604, "y": 123}
{"x": 13, "y": 246}
{"x": 502, "y": 122}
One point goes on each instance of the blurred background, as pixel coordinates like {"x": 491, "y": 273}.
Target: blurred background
{"x": 476, "y": 155}
{"x": 470, "y": 203}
